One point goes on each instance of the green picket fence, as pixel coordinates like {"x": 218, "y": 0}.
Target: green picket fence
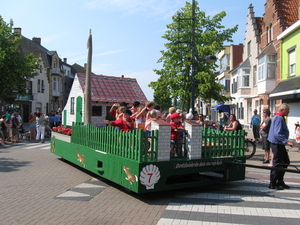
{"x": 222, "y": 143}
{"x": 137, "y": 145}
{"x": 141, "y": 146}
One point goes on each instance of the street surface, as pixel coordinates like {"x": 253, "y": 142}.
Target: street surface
{"x": 37, "y": 187}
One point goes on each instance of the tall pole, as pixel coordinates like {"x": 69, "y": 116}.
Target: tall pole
{"x": 193, "y": 57}
{"x": 87, "y": 91}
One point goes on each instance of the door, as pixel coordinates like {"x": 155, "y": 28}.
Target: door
{"x": 79, "y": 109}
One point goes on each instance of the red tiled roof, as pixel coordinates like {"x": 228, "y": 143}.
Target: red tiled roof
{"x": 288, "y": 10}
{"x": 113, "y": 89}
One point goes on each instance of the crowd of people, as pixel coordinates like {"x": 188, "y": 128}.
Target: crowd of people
{"x": 138, "y": 117}
{"x": 40, "y": 126}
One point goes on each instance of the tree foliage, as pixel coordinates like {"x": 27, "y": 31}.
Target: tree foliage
{"x": 15, "y": 69}
{"x": 175, "y": 75}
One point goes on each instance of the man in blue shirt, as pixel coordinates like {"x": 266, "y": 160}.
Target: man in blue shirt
{"x": 255, "y": 122}
{"x": 278, "y": 137}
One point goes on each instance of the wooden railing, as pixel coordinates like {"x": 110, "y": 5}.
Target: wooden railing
{"x": 222, "y": 143}
{"x": 142, "y": 146}
{"x": 136, "y": 145}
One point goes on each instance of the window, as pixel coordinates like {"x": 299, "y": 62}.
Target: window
{"x": 292, "y": 63}
{"x": 271, "y": 66}
{"x": 224, "y": 63}
{"x": 56, "y": 84}
{"x": 96, "y": 110}
{"x": 39, "y": 85}
{"x": 72, "y": 105}
{"x": 270, "y": 33}
{"x": 249, "y": 48}
{"x": 254, "y": 75}
{"x": 244, "y": 73}
{"x": 43, "y": 86}
{"x": 54, "y": 63}
{"x": 266, "y": 67}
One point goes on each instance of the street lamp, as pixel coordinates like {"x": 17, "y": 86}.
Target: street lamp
{"x": 208, "y": 59}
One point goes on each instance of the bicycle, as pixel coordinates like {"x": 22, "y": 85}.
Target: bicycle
{"x": 249, "y": 147}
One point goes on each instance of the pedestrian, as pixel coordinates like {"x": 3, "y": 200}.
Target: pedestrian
{"x": 32, "y": 126}
{"x": 40, "y": 127}
{"x": 15, "y": 128}
{"x": 264, "y": 132}
{"x": 278, "y": 137}
{"x": 255, "y": 123}
{"x": 8, "y": 119}
{"x": 3, "y": 128}
{"x": 57, "y": 119}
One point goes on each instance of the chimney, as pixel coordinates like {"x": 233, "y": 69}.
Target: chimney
{"x": 65, "y": 60}
{"x": 17, "y": 31}
{"x": 37, "y": 40}
{"x": 122, "y": 76}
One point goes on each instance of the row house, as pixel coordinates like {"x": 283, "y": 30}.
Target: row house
{"x": 288, "y": 89}
{"x": 254, "y": 79}
{"x": 49, "y": 89}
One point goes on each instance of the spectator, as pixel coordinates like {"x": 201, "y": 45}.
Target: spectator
{"x": 255, "y": 123}
{"x": 15, "y": 128}
{"x": 3, "y": 128}
{"x": 264, "y": 131}
{"x": 32, "y": 126}
{"x": 232, "y": 124}
{"x": 8, "y": 122}
{"x": 57, "y": 119}
{"x": 40, "y": 127}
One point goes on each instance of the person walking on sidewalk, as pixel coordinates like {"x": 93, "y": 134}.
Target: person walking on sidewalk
{"x": 40, "y": 127}
{"x": 255, "y": 123}
{"x": 264, "y": 132}
{"x": 278, "y": 137}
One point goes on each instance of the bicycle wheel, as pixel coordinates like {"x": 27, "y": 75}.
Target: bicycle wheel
{"x": 250, "y": 149}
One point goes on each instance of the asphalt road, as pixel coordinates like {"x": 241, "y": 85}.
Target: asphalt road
{"x": 37, "y": 187}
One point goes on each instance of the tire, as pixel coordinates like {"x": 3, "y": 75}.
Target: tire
{"x": 250, "y": 149}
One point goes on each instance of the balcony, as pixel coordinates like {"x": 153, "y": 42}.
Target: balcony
{"x": 266, "y": 86}
{"x": 55, "y": 71}
{"x": 56, "y": 93}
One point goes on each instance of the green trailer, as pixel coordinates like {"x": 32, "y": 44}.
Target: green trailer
{"x": 141, "y": 161}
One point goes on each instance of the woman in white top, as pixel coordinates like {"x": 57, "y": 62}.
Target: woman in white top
{"x": 40, "y": 127}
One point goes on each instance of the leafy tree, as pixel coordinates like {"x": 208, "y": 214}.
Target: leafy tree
{"x": 204, "y": 35}
{"x": 15, "y": 69}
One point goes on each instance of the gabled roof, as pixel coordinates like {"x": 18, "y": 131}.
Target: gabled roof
{"x": 113, "y": 89}
{"x": 269, "y": 50}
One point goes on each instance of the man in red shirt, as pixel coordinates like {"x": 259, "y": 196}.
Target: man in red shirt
{"x": 125, "y": 123}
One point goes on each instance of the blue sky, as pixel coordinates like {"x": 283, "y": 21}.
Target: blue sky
{"x": 126, "y": 33}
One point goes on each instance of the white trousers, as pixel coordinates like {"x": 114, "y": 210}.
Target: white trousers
{"x": 40, "y": 131}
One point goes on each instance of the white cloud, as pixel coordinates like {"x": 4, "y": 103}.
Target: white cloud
{"x": 84, "y": 55}
{"x": 150, "y": 7}
{"x": 53, "y": 37}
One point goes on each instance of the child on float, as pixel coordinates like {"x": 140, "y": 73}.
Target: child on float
{"x": 176, "y": 126}
{"x": 152, "y": 117}
{"x": 171, "y": 111}
{"x": 124, "y": 123}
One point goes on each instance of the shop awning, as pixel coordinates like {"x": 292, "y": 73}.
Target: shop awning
{"x": 222, "y": 107}
{"x": 286, "y": 89}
